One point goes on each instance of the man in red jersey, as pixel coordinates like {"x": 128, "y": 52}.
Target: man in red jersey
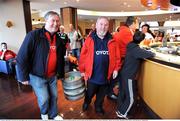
{"x": 123, "y": 37}
{"x": 7, "y": 55}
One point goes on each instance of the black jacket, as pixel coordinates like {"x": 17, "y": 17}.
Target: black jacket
{"x": 33, "y": 55}
{"x": 133, "y": 59}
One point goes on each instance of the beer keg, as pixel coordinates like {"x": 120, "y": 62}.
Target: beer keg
{"x": 73, "y": 85}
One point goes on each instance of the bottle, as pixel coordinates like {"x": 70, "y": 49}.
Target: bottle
{"x": 164, "y": 41}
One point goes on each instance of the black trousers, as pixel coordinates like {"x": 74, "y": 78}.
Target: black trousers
{"x": 127, "y": 95}
{"x": 98, "y": 90}
{"x": 111, "y": 85}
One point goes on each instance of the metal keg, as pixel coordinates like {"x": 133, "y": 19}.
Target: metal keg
{"x": 73, "y": 85}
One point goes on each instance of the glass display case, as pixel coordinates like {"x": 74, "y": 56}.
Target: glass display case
{"x": 168, "y": 55}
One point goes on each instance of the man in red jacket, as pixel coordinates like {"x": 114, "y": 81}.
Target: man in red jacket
{"x": 7, "y": 55}
{"x": 99, "y": 61}
{"x": 123, "y": 37}
{"x": 125, "y": 34}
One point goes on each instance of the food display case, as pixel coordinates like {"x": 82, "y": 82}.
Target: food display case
{"x": 159, "y": 81}
{"x": 169, "y": 55}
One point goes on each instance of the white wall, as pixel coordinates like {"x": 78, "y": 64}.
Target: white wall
{"x": 12, "y": 10}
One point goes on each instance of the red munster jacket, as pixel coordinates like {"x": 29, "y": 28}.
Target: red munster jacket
{"x": 87, "y": 57}
{"x": 8, "y": 55}
{"x": 123, "y": 37}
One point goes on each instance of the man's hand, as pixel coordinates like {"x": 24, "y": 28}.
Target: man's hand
{"x": 2, "y": 56}
{"x": 83, "y": 75}
{"x": 115, "y": 73}
{"x": 4, "y": 50}
{"x": 25, "y": 83}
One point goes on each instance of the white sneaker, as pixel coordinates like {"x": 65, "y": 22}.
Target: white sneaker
{"x": 44, "y": 117}
{"x": 121, "y": 115}
{"x": 58, "y": 117}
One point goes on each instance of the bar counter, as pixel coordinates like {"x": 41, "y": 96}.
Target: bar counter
{"x": 159, "y": 87}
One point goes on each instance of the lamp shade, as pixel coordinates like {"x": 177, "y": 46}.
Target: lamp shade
{"x": 9, "y": 24}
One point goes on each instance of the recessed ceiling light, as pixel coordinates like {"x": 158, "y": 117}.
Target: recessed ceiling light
{"x": 129, "y": 6}
{"x": 52, "y": 0}
{"x": 124, "y": 3}
{"x": 158, "y": 7}
{"x": 65, "y": 3}
{"x": 77, "y": 0}
{"x": 149, "y": 3}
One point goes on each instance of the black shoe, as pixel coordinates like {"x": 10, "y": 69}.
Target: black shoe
{"x": 85, "y": 106}
{"x": 112, "y": 96}
{"x": 100, "y": 111}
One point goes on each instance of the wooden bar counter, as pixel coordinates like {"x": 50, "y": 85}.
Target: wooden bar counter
{"x": 159, "y": 87}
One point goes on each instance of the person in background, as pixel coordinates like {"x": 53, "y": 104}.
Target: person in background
{"x": 8, "y": 55}
{"x": 123, "y": 37}
{"x": 113, "y": 82}
{"x": 99, "y": 61}
{"x": 93, "y": 27}
{"x": 132, "y": 61}
{"x": 40, "y": 62}
{"x": 125, "y": 34}
{"x": 149, "y": 37}
{"x": 159, "y": 36}
{"x": 65, "y": 39}
{"x": 116, "y": 30}
{"x": 75, "y": 45}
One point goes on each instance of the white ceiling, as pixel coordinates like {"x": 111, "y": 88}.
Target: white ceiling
{"x": 100, "y": 5}
{"x": 97, "y": 5}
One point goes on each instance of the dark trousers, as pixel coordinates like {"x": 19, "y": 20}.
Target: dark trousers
{"x": 111, "y": 85}
{"x": 12, "y": 64}
{"x": 127, "y": 95}
{"x": 99, "y": 90}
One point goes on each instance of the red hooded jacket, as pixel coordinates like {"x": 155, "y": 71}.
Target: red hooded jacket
{"x": 87, "y": 58}
{"x": 123, "y": 37}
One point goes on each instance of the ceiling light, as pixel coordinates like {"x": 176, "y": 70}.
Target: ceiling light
{"x": 158, "y": 7}
{"x": 124, "y": 3}
{"x": 149, "y": 3}
{"x": 129, "y": 6}
{"x": 77, "y": 0}
{"x": 171, "y": 23}
{"x": 139, "y": 13}
{"x": 65, "y": 3}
